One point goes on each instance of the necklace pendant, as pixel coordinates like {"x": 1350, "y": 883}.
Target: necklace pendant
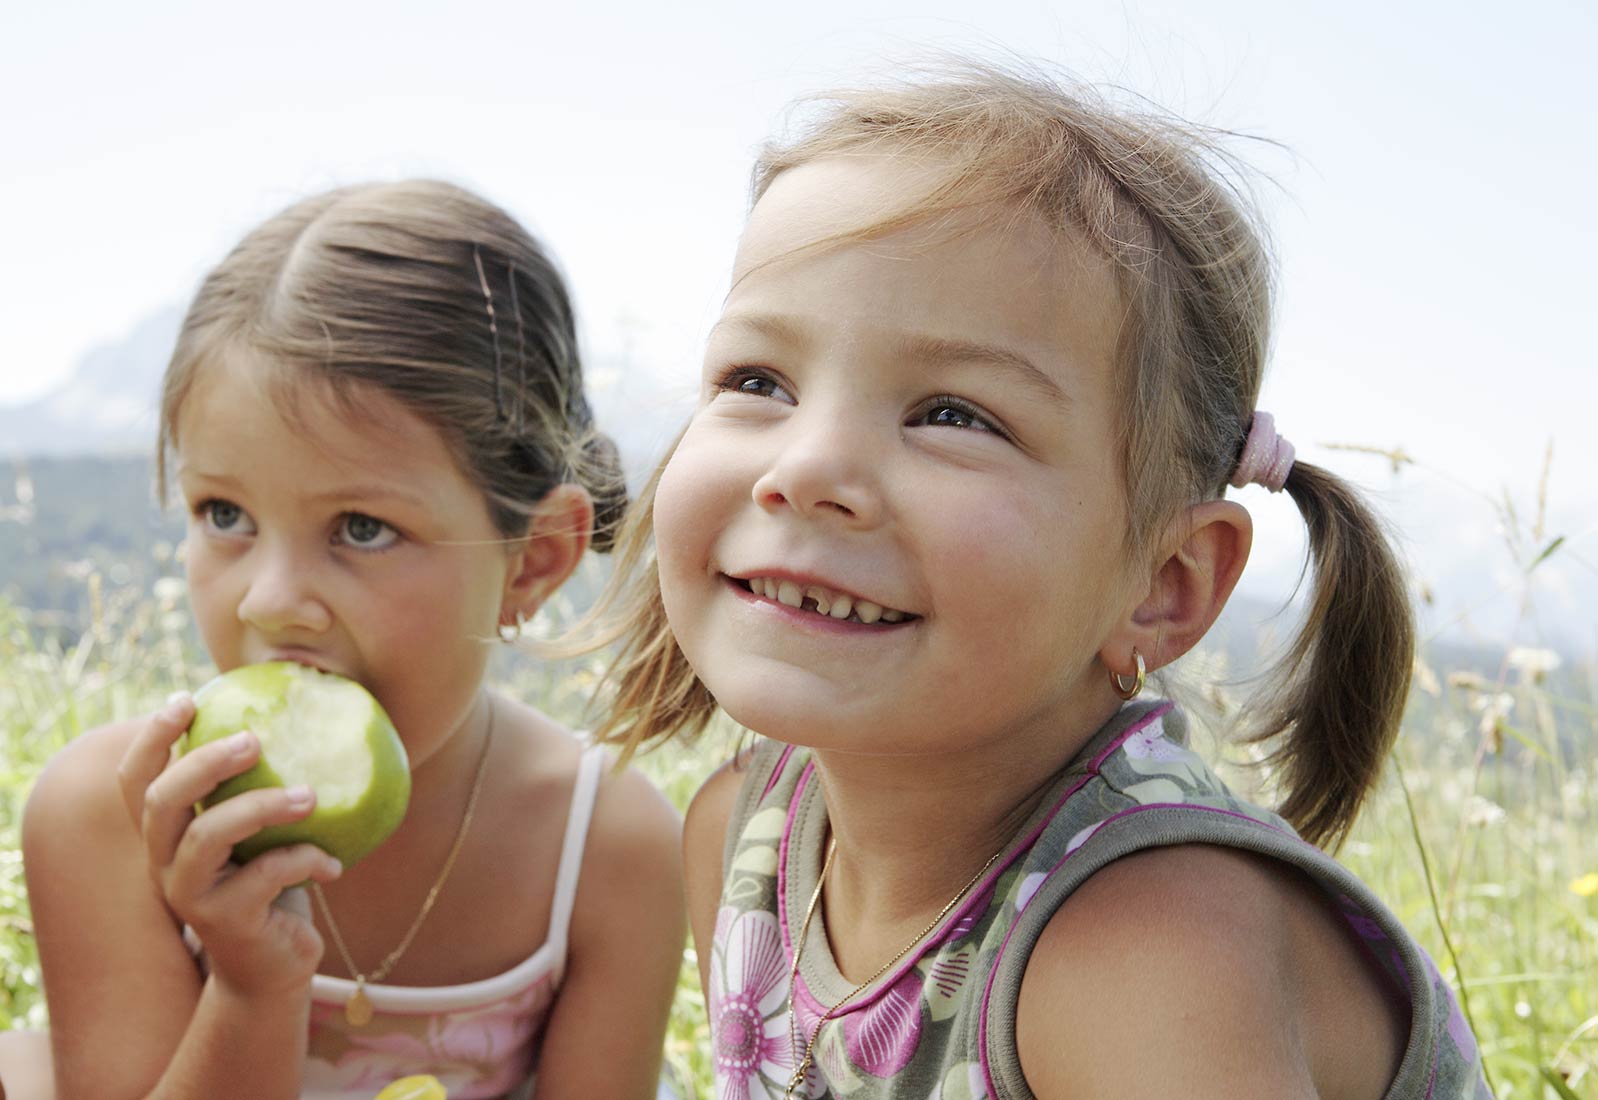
{"x": 796, "y": 1083}
{"x": 358, "y": 1009}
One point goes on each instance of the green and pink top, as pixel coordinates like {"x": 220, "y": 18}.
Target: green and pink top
{"x": 940, "y": 1025}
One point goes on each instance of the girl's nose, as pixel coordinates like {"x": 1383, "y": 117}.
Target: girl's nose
{"x": 280, "y": 594}
{"x": 824, "y": 470}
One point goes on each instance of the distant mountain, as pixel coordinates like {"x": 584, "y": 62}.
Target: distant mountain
{"x": 110, "y": 404}
{"x": 65, "y": 518}
{"x": 107, "y": 406}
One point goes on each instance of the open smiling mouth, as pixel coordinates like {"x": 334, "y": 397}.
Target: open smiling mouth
{"x": 824, "y": 601}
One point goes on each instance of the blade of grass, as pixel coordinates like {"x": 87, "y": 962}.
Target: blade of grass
{"x": 1437, "y": 912}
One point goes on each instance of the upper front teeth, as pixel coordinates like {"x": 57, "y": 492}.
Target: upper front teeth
{"x": 835, "y": 604}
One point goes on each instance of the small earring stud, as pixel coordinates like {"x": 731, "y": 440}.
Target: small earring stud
{"x": 512, "y": 631}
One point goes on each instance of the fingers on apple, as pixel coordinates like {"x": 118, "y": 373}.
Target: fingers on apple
{"x": 206, "y": 845}
{"x": 243, "y": 908}
{"x": 254, "y": 887}
{"x": 169, "y": 799}
{"x": 147, "y": 755}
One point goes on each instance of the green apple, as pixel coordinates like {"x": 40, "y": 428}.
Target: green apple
{"x": 317, "y": 729}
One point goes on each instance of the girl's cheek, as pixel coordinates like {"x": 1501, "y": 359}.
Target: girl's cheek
{"x": 200, "y": 570}
{"x": 675, "y": 505}
{"x": 687, "y": 523}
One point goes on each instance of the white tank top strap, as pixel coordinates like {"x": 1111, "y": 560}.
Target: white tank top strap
{"x": 589, "y": 771}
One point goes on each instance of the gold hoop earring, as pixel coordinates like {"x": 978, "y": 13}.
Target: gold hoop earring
{"x": 1136, "y": 688}
{"x": 512, "y": 631}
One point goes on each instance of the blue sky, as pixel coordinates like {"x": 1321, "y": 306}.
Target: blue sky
{"x": 1432, "y": 208}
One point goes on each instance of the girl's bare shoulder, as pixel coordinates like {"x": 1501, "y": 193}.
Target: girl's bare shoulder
{"x": 635, "y": 826}
{"x": 632, "y": 820}
{"x": 710, "y": 810}
{"x": 78, "y": 786}
{"x": 631, "y": 882}
{"x": 1204, "y": 966}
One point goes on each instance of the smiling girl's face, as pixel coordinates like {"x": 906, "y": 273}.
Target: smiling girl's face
{"x": 922, "y": 424}
{"x": 338, "y": 542}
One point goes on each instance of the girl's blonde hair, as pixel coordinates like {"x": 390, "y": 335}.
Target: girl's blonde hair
{"x": 432, "y": 295}
{"x": 1155, "y": 198}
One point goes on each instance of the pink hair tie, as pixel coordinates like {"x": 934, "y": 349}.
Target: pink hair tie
{"x": 1266, "y": 456}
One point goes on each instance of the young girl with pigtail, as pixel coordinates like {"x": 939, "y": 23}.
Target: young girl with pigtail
{"x": 955, "y": 483}
{"x": 375, "y": 418}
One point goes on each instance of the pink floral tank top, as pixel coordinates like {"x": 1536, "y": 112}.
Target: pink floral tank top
{"x": 479, "y": 1039}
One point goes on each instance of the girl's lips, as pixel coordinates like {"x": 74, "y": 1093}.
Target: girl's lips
{"x": 301, "y": 657}
{"x": 817, "y": 603}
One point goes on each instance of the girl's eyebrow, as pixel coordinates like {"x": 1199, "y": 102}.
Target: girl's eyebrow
{"x": 782, "y": 329}
{"x": 371, "y": 491}
{"x": 357, "y": 492}
{"x": 185, "y": 471}
{"x": 939, "y": 351}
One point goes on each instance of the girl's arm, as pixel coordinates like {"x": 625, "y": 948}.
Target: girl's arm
{"x": 1202, "y": 972}
{"x": 704, "y": 840}
{"x": 112, "y": 859}
{"x": 607, "y": 1028}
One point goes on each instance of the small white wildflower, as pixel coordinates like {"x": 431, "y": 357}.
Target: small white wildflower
{"x": 1426, "y": 680}
{"x": 1483, "y": 812}
{"x": 1533, "y": 664}
{"x": 169, "y": 590}
{"x": 1495, "y": 709}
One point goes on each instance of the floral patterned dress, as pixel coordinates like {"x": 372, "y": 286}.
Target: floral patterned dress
{"x": 940, "y": 1025}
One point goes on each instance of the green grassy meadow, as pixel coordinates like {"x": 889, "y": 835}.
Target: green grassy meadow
{"x": 1483, "y": 836}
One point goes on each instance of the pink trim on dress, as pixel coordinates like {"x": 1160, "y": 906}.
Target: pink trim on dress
{"x": 776, "y": 773}
{"x": 782, "y": 854}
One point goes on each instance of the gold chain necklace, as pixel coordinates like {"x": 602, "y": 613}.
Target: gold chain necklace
{"x": 802, "y": 1070}
{"x": 358, "y": 1009}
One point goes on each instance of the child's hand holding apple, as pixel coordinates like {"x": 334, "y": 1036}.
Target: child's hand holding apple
{"x": 297, "y": 770}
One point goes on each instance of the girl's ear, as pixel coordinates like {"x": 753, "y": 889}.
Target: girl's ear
{"x": 558, "y": 533}
{"x": 1209, "y": 546}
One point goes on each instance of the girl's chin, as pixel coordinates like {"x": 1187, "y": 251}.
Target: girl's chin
{"x": 805, "y": 727}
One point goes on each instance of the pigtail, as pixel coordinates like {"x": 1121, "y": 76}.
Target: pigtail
{"x": 1341, "y": 687}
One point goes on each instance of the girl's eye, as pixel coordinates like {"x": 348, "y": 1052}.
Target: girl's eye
{"x": 753, "y": 382}
{"x": 365, "y": 532}
{"x": 953, "y": 412}
{"x": 760, "y": 387}
{"x": 225, "y": 517}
